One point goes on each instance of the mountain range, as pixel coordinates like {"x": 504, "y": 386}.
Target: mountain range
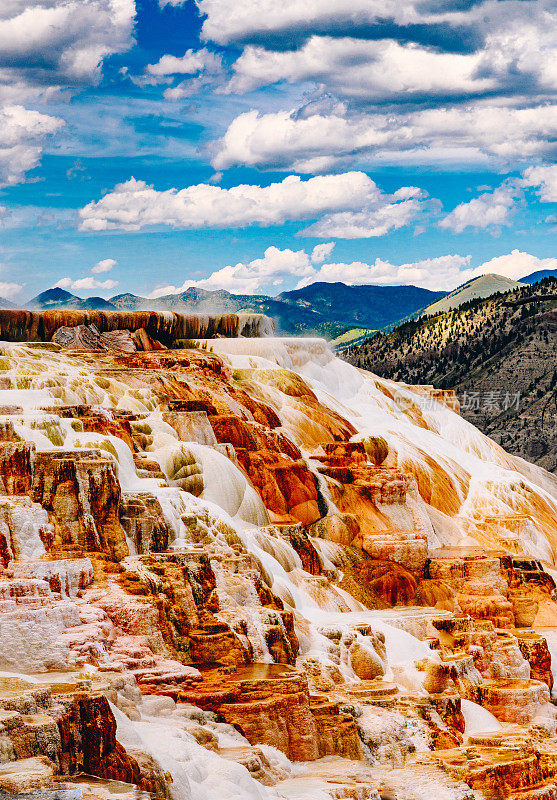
{"x": 321, "y": 309}
{"x": 332, "y": 310}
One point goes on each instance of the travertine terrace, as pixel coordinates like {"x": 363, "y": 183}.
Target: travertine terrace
{"x": 245, "y": 570}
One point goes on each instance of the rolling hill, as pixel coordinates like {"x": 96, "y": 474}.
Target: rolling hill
{"x": 498, "y": 353}
{"x": 483, "y": 286}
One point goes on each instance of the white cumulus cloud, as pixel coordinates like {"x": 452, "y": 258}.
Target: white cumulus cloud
{"x": 9, "y": 289}
{"x": 375, "y": 220}
{"x": 489, "y": 210}
{"x": 321, "y": 252}
{"x": 475, "y": 133}
{"x": 545, "y": 179}
{"x": 190, "y": 63}
{"x": 248, "y": 278}
{"x": 134, "y": 205}
{"x": 22, "y": 134}
{"x": 362, "y": 69}
{"x": 282, "y": 269}
{"x": 49, "y": 50}
{"x": 104, "y": 266}
{"x": 230, "y": 20}
{"x": 515, "y": 265}
{"x": 442, "y": 272}
{"x": 85, "y": 283}
{"x": 48, "y": 46}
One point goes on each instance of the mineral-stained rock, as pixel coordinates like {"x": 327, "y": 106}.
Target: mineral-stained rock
{"x": 7, "y": 432}
{"x": 15, "y": 466}
{"x": 504, "y": 764}
{"x": 533, "y": 647}
{"x": 494, "y": 607}
{"x": 527, "y": 573}
{"x": 516, "y": 701}
{"x": 142, "y": 519}
{"x": 478, "y": 581}
{"x": 29, "y": 326}
{"x": 82, "y": 494}
{"x": 102, "y": 754}
{"x": 66, "y": 577}
{"x": 338, "y": 528}
{"x": 251, "y": 436}
{"x": 287, "y": 487}
{"x": 184, "y": 471}
{"x": 25, "y": 531}
{"x": 336, "y": 732}
{"x": 80, "y": 337}
{"x": 143, "y": 341}
{"x": 268, "y": 703}
{"x": 98, "y": 604}
{"x": 496, "y": 652}
{"x": 386, "y": 526}
{"x": 525, "y": 608}
{"x": 88, "y": 337}
{"x": 297, "y": 537}
{"x": 27, "y": 775}
{"x": 191, "y": 426}
{"x": 365, "y": 661}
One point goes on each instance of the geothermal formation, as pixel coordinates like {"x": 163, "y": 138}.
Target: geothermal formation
{"x": 234, "y": 567}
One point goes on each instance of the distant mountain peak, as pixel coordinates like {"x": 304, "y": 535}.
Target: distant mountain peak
{"x": 54, "y": 295}
{"x": 539, "y": 275}
{"x": 58, "y": 298}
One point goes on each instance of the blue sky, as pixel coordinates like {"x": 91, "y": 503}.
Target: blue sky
{"x": 258, "y": 146}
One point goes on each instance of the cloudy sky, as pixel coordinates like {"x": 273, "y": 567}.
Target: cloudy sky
{"x": 256, "y": 145}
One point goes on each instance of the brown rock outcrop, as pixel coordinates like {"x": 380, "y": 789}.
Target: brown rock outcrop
{"x": 287, "y": 487}
{"x": 298, "y": 538}
{"x": 143, "y": 521}
{"x": 268, "y": 703}
{"x": 81, "y": 492}
{"x": 251, "y": 436}
{"x": 337, "y": 733}
{"x": 88, "y": 337}
{"x": 533, "y": 647}
{"x": 191, "y": 426}
{"x": 101, "y": 754}
{"x": 15, "y": 466}
{"x": 517, "y": 701}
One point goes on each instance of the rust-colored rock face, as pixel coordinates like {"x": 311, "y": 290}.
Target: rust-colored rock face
{"x": 534, "y": 648}
{"x": 15, "y": 466}
{"x": 373, "y": 495}
{"x": 82, "y": 494}
{"x": 268, "y": 703}
{"x": 143, "y": 521}
{"x": 209, "y": 566}
{"x": 516, "y": 700}
{"x": 103, "y": 755}
{"x": 275, "y": 467}
{"x": 287, "y": 488}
